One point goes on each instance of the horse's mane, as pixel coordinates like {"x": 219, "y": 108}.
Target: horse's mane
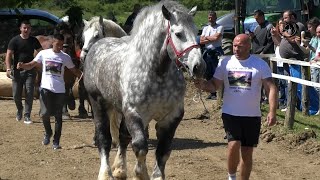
{"x": 109, "y": 26}
{"x": 172, "y": 6}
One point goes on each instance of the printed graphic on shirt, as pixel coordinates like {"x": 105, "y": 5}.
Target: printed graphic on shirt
{"x": 240, "y": 79}
{"x": 53, "y": 68}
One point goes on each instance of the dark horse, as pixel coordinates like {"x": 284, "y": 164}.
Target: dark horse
{"x": 134, "y": 79}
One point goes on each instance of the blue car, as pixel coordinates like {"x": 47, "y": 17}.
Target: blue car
{"x": 42, "y": 23}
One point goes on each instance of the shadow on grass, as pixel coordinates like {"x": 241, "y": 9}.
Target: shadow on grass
{"x": 313, "y": 126}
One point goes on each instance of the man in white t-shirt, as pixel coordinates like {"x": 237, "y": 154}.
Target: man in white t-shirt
{"x": 242, "y": 76}
{"x": 52, "y": 89}
{"x": 211, "y": 37}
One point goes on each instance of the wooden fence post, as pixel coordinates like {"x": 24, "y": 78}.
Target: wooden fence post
{"x": 291, "y": 104}
{"x": 274, "y": 69}
{"x": 305, "y": 93}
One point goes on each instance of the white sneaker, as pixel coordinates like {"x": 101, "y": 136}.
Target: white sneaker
{"x": 284, "y": 110}
{"x": 318, "y": 113}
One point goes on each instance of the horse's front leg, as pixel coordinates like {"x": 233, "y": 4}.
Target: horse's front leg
{"x": 103, "y": 137}
{"x": 139, "y": 143}
{"x": 166, "y": 129}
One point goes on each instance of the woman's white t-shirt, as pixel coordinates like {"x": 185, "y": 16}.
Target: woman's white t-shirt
{"x": 53, "y": 69}
{"x": 242, "y": 84}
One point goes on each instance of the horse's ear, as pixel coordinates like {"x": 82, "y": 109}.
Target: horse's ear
{"x": 193, "y": 11}
{"x": 85, "y": 22}
{"x": 166, "y": 13}
{"x": 101, "y": 20}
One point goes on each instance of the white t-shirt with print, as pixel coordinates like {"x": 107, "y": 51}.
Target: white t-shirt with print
{"x": 242, "y": 84}
{"x": 211, "y": 30}
{"x": 53, "y": 69}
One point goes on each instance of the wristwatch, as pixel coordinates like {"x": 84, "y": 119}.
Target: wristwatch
{"x": 8, "y": 69}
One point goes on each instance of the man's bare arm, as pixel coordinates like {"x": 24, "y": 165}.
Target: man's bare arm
{"x": 272, "y": 93}
{"x": 209, "y": 86}
{"x": 8, "y": 62}
{"x": 28, "y": 66}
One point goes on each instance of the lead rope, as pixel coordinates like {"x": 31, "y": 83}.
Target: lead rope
{"x": 198, "y": 94}
{"x": 77, "y": 82}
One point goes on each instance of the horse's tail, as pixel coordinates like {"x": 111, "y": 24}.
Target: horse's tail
{"x": 115, "y": 120}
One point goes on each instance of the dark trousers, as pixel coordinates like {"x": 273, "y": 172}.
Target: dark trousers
{"x": 211, "y": 57}
{"x": 27, "y": 79}
{"x": 283, "y": 90}
{"x": 52, "y": 103}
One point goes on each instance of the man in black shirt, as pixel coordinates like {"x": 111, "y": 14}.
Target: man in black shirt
{"x": 261, "y": 38}
{"x": 22, "y": 47}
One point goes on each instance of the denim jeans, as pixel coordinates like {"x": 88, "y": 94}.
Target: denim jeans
{"x": 20, "y": 79}
{"x": 51, "y": 104}
{"x": 283, "y": 86}
{"x": 315, "y": 76}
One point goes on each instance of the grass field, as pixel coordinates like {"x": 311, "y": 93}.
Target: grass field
{"x": 301, "y": 122}
{"x": 200, "y": 17}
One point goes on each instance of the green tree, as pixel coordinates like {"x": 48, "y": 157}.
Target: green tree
{"x": 17, "y": 3}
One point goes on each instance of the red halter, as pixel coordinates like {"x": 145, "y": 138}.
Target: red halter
{"x": 178, "y": 53}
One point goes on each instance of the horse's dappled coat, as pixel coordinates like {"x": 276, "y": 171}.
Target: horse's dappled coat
{"x": 96, "y": 29}
{"x": 136, "y": 79}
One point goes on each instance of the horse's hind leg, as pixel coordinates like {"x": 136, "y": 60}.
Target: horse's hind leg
{"x": 102, "y": 135}
{"x": 139, "y": 143}
{"x": 119, "y": 167}
{"x": 166, "y": 129}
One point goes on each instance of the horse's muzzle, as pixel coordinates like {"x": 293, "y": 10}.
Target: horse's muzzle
{"x": 199, "y": 69}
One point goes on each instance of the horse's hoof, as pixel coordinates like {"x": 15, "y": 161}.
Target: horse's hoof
{"x": 119, "y": 174}
{"x": 66, "y": 117}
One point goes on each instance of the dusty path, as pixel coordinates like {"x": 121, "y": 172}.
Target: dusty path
{"x": 199, "y": 151}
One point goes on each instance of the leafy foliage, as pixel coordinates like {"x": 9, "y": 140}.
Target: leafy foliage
{"x": 120, "y": 9}
{"x": 124, "y": 5}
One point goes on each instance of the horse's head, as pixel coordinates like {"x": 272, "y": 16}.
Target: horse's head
{"x": 181, "y": 42}
{"x": 68, "y": 45}
{"x": 92, "y": 32}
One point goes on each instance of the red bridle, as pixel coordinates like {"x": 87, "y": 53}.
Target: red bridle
{"x": 177, "y": 52}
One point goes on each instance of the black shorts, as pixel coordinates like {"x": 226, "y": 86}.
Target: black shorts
{"x": 242, "y": 128}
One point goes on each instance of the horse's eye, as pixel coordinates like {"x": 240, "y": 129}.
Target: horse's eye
{"x": 179, "y": 35}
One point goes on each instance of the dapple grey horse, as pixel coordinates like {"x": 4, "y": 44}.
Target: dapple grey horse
{"x": 96, "y": 29}
{"x": 135, "y": 79}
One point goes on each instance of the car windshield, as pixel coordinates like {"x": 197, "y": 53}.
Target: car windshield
{"x": 272, "y": 6}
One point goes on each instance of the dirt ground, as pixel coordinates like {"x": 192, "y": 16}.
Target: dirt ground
{"x": 199, "y": 150}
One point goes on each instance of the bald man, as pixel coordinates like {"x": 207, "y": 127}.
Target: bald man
{"x": 242, "y": 76}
